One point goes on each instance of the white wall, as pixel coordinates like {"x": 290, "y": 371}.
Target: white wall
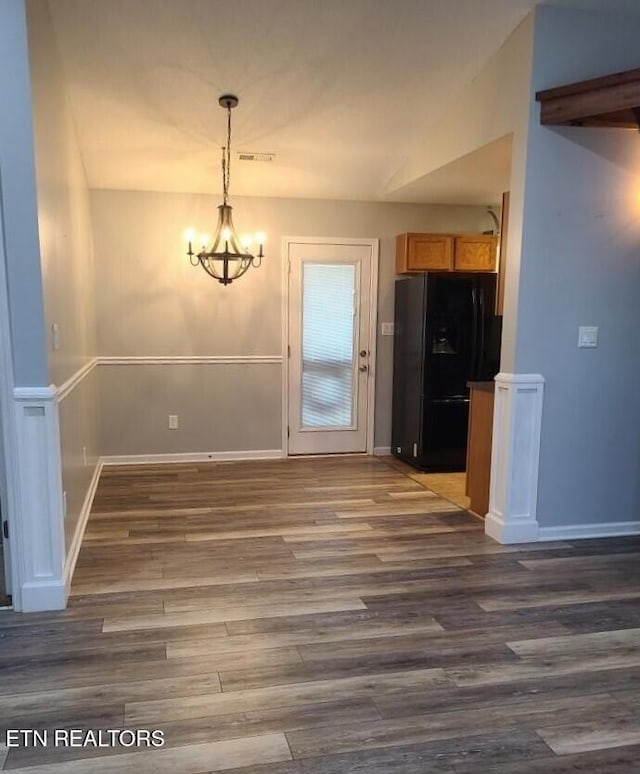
{"x": 497, "y": 102}
{"x": 581, "y": 266}
{"x": 66, "y": 250}
{"x": 151, "y": 301}
{"x": 489, "y": 107}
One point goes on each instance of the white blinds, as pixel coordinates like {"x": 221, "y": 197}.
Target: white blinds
{"x": 328, "y": 293}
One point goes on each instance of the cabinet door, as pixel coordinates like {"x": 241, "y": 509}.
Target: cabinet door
{"x": 430, "y": 252}
{"x": 479, "y": 450}
{"x": 475, "y": 252}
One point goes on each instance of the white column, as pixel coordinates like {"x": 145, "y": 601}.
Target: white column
{"x": 513, "y": 495}
{"x": 40, "y": 534}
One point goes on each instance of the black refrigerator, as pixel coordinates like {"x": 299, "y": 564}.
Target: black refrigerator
{"x": 445, "y": 335}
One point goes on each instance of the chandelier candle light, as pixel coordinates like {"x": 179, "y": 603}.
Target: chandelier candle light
{"x": 228, "y": 256}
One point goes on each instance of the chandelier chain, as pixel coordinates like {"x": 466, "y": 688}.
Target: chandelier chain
{"x": 226, "y": 160}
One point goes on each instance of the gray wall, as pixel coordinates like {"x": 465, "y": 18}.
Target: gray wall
{"x": 150, "y": 301}
{"x": 66, "y": 251}
{"x": 580, "y": 265}
{"x": 221, "y": 408}
{"x": 18, "y": 190}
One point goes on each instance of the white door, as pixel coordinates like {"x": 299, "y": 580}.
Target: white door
{"x": 331, "y": 337}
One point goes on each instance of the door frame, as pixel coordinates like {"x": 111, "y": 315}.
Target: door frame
{"x": 374, "y": 245}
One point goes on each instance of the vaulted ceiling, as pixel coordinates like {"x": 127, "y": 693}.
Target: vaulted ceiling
{"x": 339, "y": 90}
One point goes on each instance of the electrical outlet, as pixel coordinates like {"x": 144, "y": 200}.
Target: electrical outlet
{"x": 588, "y": 336}
{"x": 387, "y": 329}
{"x": 173, "y": 421}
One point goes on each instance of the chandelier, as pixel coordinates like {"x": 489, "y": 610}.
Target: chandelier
{"x": 227, "y": 257}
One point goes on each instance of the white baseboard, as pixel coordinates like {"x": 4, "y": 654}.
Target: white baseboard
{"x": 74, "y": 548}
{"x": 381, "y": 451}
{"x": 225, "y": 456}
{"x": 36, "y": 597}
{"x": 509, "y": 531}
{"x": 583, "y": 531}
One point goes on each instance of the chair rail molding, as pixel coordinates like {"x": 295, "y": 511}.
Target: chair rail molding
{"x": 42, "y": 549}
{"x": 515, "y": 457}
{"x": 74, "y": 380}
{"x": 107, "y": 360}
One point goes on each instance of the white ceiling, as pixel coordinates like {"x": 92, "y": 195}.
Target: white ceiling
{"x": 340, "y": 90}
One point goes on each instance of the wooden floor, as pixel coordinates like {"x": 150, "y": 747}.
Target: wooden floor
{"x": 451, "y": 486}
{"x": 326, "y": 616}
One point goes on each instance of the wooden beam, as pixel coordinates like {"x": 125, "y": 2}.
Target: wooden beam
{"x": 611, "y": 101}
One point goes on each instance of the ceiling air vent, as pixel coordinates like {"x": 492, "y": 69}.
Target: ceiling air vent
{"x": 246, "y": 156}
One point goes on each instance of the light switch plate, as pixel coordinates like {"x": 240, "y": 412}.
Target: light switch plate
{"x": 387, "y": 329}
{"x": 55, "y": 336}
{"x": 588, "y": 336}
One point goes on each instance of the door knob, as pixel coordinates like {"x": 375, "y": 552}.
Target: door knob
{"x": 363, "y": 367}
{"x": 363, "y": 353}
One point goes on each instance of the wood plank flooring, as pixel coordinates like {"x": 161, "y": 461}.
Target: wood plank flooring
{"x": 325, "y": 616}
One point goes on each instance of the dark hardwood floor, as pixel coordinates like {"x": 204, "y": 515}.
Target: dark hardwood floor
{"x": 325, "y": 616}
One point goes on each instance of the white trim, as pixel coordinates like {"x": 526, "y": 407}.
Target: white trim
{"x": 53, "y": 393}
{"x": 382, "y": 451}
{"x": 40, "y": 596}
{"x": 582, "y": 531}
{"x": 517, "y": 420}
{"x": 73, "y": 381}
{"x": 526, "y": 379}
{"x": 286, "y": 268}
{"x": 373, "y": 344}
{"x": 35, "y": 394}
{"x": 191, "y": 360}
{"x": 74, "y": 548}
{"x": 214, "y": 456}
{"x": 41, "y": 537}
{"x": 374, "y": 245}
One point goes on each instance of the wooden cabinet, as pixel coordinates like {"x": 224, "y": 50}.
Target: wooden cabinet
{"x": 445, "y": 252}
{"x": 424, "y": 252}
{"x": 475, "y": 252}
{"x": 479, "y": 446}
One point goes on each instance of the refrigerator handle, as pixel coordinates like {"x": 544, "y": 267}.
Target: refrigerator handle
{"x": 482, "y": 323}
{"x": 474, "y": 333}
